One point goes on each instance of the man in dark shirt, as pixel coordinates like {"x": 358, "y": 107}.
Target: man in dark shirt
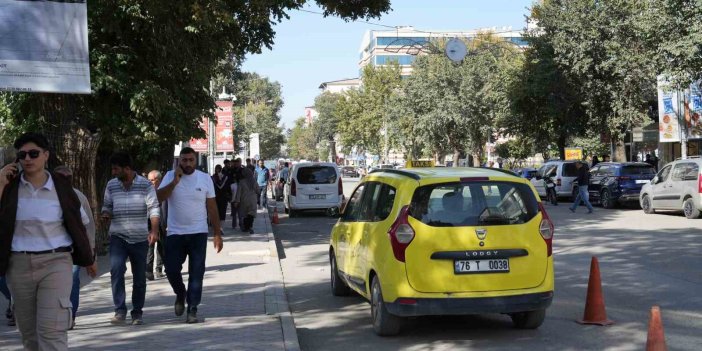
{"x": 583, "y": 182}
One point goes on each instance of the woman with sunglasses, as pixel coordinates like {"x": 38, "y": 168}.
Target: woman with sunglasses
{"x": 42, "y": 234}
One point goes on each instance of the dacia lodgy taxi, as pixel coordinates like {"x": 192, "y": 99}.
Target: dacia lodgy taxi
{"x": 444, "y": 241}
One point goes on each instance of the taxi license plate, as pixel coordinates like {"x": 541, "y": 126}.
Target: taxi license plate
{"x": 481, "y": 266}
{"x": 318, "y": 197}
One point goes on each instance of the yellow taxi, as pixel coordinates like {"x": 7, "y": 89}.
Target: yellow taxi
{"x": 444, "y": 241}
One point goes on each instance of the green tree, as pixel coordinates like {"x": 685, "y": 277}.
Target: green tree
{"x": 603, "y": 47}
{"x": 546, "y": 103}
{"x": 365, "y": 111}
{"x": 302, "y": 143}
{"x": 455, "y": 105}
{"x": 514, "y": 151}
{"x": 326, "y": 124}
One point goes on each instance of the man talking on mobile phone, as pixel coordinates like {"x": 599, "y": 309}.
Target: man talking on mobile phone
{"x": 191, "y": 200}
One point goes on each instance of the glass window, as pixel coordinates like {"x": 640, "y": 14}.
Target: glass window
{"x": 595, "y": 171}
{"x": 663, "y": 174}
{"x": 401, "y": 59}
{"x": 606, "y": 171}
{"x": 519, "y": 41}
{"x": 473, "y": 203}
{"x": 352, "y": 208}
{"x": 685, "y": 171}
{"x": 569, "y": 170}
{"x": 383, "y": 202}
{"x": 638, "y": 170}
{"x": 316, "y": 175}
{"x": 402, "y": 41}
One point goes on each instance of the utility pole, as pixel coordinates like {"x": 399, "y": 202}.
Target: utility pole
{"x": 211, "y": 136}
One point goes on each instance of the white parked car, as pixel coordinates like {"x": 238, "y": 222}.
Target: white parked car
{"x": 313, "y": 186}
{"x": 677, "y": 186}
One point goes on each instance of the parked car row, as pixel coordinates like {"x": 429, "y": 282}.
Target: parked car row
{"x": 676, "y": 187}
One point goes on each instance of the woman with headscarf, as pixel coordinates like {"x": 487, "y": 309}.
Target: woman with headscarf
{"x": 245, "y": 199}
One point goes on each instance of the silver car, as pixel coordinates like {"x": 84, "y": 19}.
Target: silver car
{"x": 677, "y": 186}
{"x": 563, "y": 174}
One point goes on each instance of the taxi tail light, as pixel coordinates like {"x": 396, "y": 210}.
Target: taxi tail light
{"x": 699, "y": 183}
{"x": 558, "y": 181}
{"x": 401, "y": 234}
{"x": 546, "y": 229}
{"x": 293, "y": 188}
{"x": 341, "y": 187}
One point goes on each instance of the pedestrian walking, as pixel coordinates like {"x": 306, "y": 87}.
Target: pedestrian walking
{"x": 9, "y": 315}
{"x": 245, "y": 199}
{"x": 90, "y": 230}
{"x": 42, "y": 234}
{"x": 262, "y": 178}
{"x": 157, "y": 249}
{"x": 191, "y": 200}
{"x": 130, "y": 201}
{"x": 250, "y": 165}
{"x": 583, "y": 181}
{"x": 595, "y": 161}
{"x": 237, "y": 214}
{"x": 222, "y": 192}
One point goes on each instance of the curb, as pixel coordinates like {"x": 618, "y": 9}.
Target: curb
{"x": 276, "y": 297}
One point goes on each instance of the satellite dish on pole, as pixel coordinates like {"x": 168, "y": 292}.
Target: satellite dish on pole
{"x": 456, "y": 50}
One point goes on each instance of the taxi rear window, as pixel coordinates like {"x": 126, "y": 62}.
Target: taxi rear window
{"x": 316, "y": 175}
{"x": 477, "y": 203}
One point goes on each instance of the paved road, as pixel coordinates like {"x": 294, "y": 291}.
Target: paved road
{"x": 655, "y": 260}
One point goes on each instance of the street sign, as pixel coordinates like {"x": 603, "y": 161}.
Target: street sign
{"x": 573, "y": 153}
{"x": 637, "y": 135}
{"x": 419, "y": 163}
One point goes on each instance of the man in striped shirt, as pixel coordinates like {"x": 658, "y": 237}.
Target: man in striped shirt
{"x": 130, "y": 200}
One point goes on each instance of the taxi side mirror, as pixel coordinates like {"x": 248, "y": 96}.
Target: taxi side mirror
{"x": 654, "y": 180}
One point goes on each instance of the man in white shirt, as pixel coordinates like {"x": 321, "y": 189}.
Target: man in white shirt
{"x": 191, "y": 201}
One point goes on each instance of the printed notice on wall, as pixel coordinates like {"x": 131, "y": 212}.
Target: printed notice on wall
{"x": 44, "y": 46}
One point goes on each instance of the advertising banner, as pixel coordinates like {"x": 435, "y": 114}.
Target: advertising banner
{"x": 668, "y": 125}
{"x": 573, "y": 153}
{"x": 225, "y": 137}
{"x": 693, "y": 112}
{"x": 200, "y": 145}
{"x": 44, "y": 46}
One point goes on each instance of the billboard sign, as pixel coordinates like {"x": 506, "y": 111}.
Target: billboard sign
{"x": 225, "y": 137}
{"x": 573, "y": 153}
{"x": 668, "y": 124}
{"x": 200, "y": 145}
{"x": 44, "y": 46}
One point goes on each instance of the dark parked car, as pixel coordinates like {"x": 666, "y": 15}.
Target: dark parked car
{"x": 349, "y": 171}
{"x": 613, "y": 183}
{"x": 527, "y": 173}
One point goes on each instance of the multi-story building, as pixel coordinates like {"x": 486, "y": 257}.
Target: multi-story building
{"x": 380, "y": 47}
{"x": 339, "y": 86}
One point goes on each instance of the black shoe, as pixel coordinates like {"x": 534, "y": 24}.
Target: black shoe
{"x": 137, "y": 319}
{"x": 251, "y": 231}
{"x": 192, "y": 316}
{"x": 11, "y": 322}
{"x": 179, "y": 306}
{"x": 150, "y": 275}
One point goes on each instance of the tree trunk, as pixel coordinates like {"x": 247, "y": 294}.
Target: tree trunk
{"x": 75, "y": 146}
{"x": 456, "y": 156}
{"x": 332, "y": 151}
{"x": 561, "y": 143}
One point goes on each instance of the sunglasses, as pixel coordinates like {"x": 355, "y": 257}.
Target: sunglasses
{"x": 32, "y": 154}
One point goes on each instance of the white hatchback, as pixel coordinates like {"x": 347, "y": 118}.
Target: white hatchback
{"x": 313, "y": 186}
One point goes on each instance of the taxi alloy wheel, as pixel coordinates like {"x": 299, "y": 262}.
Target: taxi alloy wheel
{"x": 338, "y": 286}
{"x": 384, "y": 323}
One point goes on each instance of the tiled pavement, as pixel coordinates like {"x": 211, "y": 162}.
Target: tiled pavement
{"x": 244, "y": 305}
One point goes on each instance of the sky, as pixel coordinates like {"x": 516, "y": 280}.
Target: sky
{"x": 310, "y": 49}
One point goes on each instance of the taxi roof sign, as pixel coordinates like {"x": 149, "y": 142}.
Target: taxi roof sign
{"x": 419, "y": 163}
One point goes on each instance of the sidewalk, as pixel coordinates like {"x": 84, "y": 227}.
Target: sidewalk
{"x": 244, "y": 306}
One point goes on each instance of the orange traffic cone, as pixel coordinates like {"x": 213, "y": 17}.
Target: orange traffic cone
{"x": 275, "y": 216}
{"x": 594, "y": 306}
{"x": 656, "y": 337}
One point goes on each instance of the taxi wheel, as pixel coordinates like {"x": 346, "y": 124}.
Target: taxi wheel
{"x": 338, "y": 286}
{"x": 528, "y": 320}
{"x": 384, "y": 323}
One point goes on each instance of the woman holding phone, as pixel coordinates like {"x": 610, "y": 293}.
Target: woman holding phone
{"x": 42, "y": 234}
